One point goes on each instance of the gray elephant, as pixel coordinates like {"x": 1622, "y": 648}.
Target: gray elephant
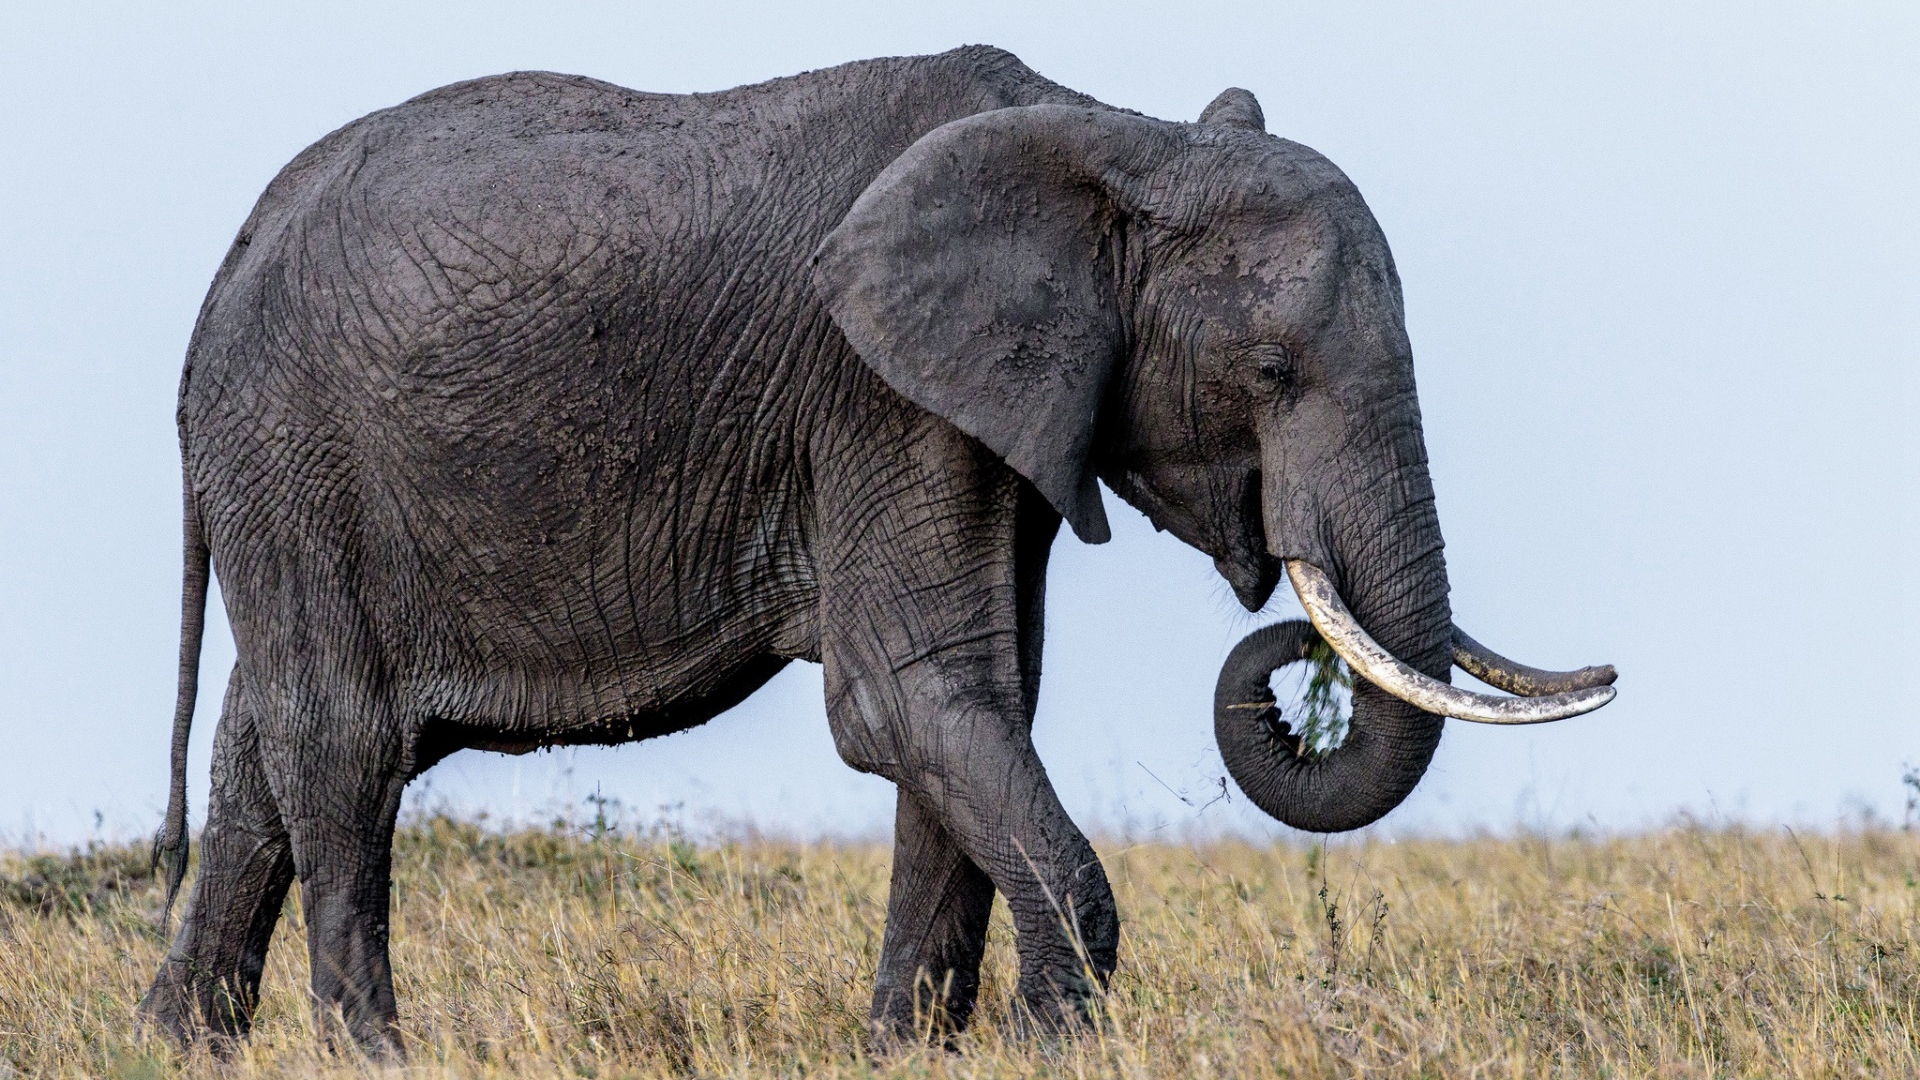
{"x": 536, "y": 411}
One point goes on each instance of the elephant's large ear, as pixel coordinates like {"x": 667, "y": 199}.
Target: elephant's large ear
{"x": 977, "y": 275}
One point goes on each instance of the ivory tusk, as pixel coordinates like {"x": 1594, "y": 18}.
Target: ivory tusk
{"x": 1381, "y": 668}
{"x": 1503, "y": 674}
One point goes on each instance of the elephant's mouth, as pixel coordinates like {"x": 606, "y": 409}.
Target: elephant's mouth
{"x": 1238, "y": 547}
{"x": 1245, "y": 563}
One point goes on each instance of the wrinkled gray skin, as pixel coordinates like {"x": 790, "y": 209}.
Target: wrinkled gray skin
{"x": 536, "y": 411}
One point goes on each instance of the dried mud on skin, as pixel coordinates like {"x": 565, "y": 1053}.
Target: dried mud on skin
{"x": 1686, "y": 952}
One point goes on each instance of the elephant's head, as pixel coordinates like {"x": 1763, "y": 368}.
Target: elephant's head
{"x": 1207, "y": 318}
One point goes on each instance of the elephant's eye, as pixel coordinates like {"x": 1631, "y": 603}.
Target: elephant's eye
{"x": 1274, "y": 369}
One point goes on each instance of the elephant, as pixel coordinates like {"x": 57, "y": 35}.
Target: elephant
{"x": 536, "y": 411}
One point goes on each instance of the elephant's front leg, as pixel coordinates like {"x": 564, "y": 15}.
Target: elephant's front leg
{"x": 969, "y": 762}
{"x": 937, "y": 910}
{"x": 939, "y": 901}
{"x": 927, "y": 686}
{"x": 996, "y": 800}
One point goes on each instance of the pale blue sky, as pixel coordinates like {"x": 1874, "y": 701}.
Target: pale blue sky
{"x": 1660, "y": 271}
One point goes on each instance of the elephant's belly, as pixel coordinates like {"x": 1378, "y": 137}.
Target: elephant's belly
{"x": 597, "y": 598}
{"x": 595, "y": 719}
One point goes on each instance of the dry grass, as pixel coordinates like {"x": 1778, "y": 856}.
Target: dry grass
{"x": 1688, "y": 952}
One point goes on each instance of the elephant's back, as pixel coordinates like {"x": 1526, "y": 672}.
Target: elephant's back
{"x": 533, "y": 210}
{"x": 534, "y": 145}
{"x": 448, "y": 253}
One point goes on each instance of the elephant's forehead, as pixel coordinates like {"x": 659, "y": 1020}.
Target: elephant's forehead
{"x": 1261, "y": 281}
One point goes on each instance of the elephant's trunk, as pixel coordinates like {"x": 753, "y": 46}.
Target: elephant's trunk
{"x": 1399, "y": 697}
{"x": 1386, "y": 751}
{"x": 1376, "y": 534}
{"x": 1256, "y": 743}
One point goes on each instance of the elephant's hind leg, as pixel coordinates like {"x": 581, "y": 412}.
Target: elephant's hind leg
{"x": 210, "y": 980}
{"x": 937, "y": 911}
{"x": 341, "y": 796}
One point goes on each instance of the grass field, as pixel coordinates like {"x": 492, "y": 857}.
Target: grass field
{"x": 1686, "y": 952}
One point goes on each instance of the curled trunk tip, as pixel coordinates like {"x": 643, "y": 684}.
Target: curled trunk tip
{"x": 1386, "y": 750}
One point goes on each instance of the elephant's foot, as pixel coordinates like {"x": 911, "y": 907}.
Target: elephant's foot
{"x": 937, "y": 911}
{"x": 371, "y": 1039}
{"x": 925, "y": 1013}
{"x": 195, "y": 1009}
{"x": 1052, "y": 1012}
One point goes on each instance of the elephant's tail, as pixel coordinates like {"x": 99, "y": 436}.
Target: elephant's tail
{"x": 170, "y": 847}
